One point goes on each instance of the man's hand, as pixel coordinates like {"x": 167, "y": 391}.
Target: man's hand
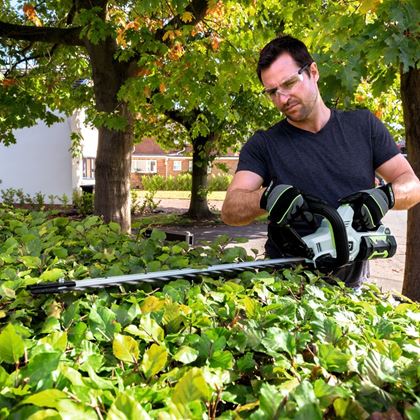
{"x": 370, "y": 206}
{"x": 282, "y": 202}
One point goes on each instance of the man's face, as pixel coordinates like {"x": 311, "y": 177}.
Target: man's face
{"x": 294, "y": 93}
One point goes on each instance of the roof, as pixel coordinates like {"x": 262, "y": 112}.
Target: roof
{"x": 148, "y": 146}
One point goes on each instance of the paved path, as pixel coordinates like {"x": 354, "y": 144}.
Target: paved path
{"x": 387, "y": 273}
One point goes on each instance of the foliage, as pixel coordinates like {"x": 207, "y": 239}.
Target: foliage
{"x": 267, "y": 345}
{"x": 187, "y": 74}
{"x": 143, "y": 205}
{"x": 11, "y": 196}
{"x": 219, "y": 182}
{"x": 83, "y": 202}
{"x": 183, "y": 182}
{"x": 158, "y": 182}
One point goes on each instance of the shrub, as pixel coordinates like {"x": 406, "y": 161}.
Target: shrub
{"x": 261, "y": 345}
{"x": 183, "y": 182}
{"x": 143, "y": 205}
{"x": 83, "y": 202}
{"x": 219, "y": 182}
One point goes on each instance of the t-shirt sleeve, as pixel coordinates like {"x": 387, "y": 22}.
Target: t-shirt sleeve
{"x": 252, "y": 156}
{"x": 384, "y": 147}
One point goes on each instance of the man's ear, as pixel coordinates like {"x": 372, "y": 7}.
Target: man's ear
{"x": 313, "y": 70}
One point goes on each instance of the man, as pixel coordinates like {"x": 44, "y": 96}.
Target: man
{"x": 314, "y": 151}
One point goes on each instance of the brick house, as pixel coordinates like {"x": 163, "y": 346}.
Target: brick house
{"x": 149, "y": 158}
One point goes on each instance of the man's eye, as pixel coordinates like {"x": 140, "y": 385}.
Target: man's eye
{"x": 271, "y": 92}
{"x": 288, "y": 84}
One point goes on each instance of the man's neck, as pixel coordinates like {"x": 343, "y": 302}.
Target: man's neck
{"x": 315, "y": 122}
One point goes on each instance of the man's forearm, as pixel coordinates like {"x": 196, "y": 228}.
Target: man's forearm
{"x": 406, "y": 191}
{"x": 241, "y": 207}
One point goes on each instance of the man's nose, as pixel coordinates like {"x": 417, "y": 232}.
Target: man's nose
{"x": 281, "y": 97}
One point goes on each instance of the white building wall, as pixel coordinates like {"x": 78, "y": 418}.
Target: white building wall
{"x": 41, "y": 160}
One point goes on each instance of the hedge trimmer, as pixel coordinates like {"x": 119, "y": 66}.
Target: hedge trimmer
{"x": 334, "y": 244}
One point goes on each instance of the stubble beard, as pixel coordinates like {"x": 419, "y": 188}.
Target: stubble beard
{"x": 304, "y": 112}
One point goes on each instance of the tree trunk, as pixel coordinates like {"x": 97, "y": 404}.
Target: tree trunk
{"x": 410, "y": 94}
{"x": 199, "y": 208}
{"x": 113, "y": 156}
{"x": 112, "y": 176}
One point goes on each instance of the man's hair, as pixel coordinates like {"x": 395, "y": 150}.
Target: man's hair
{"x": 278, "y": 46}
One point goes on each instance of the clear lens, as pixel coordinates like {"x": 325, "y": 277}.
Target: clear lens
{"x": 286, "y": 87}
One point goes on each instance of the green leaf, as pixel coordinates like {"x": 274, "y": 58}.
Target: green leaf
{"x": 31, "y": 262}
{"x": 77, "y": 333}
{"x": 388, "y": 348}
{"x": 191, "y": 387}
{"x": 332, "y": 358}
{"x": 251, "y": 307}
{"x": 308, "y": 411}
{"x": 12, "y": 346}
{"x": 186, "y": 355}
{"x": 279, "y": 340}
{"x": 102, "y": 323}
{"x": 125, "y": 348}
{"x": 379, "y": 369}
{"x": 52, "y": 275}
{"x": 148, "y": 329}
{"x": 57, "y": 340}
{"x": 304, "y": 394}
{"x": 98, "y": 382}
{"x": 154, "y": 360}
{"x": 246, "y": 363}
{"x": 41, "y": 367}
{"x": 350, "y": 409}
{"x": 221, "y": 359}
{"x": 47, "y": 398}
{"x": 327, "y": 330}
{"x": 326, "y": 394}
{"x": 47, "y": 414}
{"x": 270, "y": 400}
{"x": 413, "y": 413}
{"x": 125, "y": 407}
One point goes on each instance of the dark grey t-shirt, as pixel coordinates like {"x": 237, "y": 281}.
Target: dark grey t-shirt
{"x": 331, "y": 164}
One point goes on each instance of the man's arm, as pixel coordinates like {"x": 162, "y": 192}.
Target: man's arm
{"x": 242, "y": 202}
{"x": 405, "y": 184}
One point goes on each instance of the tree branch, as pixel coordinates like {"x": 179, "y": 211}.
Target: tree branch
{"x": 198, "y": 8}
{"x": 66, "y": 36}
{"x": 181, "y": 118}
{"x": 33, "y": 57}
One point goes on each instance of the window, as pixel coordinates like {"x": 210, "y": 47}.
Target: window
{"x": 88, "y": 168}
{"x": 190, "y": 165}
{"x": 177, "y": 165}
{"x": 144, "y": 166}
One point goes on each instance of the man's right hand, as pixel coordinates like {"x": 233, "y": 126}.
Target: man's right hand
{"x": 282, "y": 202}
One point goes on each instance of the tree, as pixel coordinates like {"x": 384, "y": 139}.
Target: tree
{"x": 205, "y": 93}
{"x": 51, "y": 45}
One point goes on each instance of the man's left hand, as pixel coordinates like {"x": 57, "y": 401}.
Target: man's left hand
{"x": 370, "y": 206}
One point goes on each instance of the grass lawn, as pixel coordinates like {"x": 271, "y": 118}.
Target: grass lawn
{"x": 182, "y": 195}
